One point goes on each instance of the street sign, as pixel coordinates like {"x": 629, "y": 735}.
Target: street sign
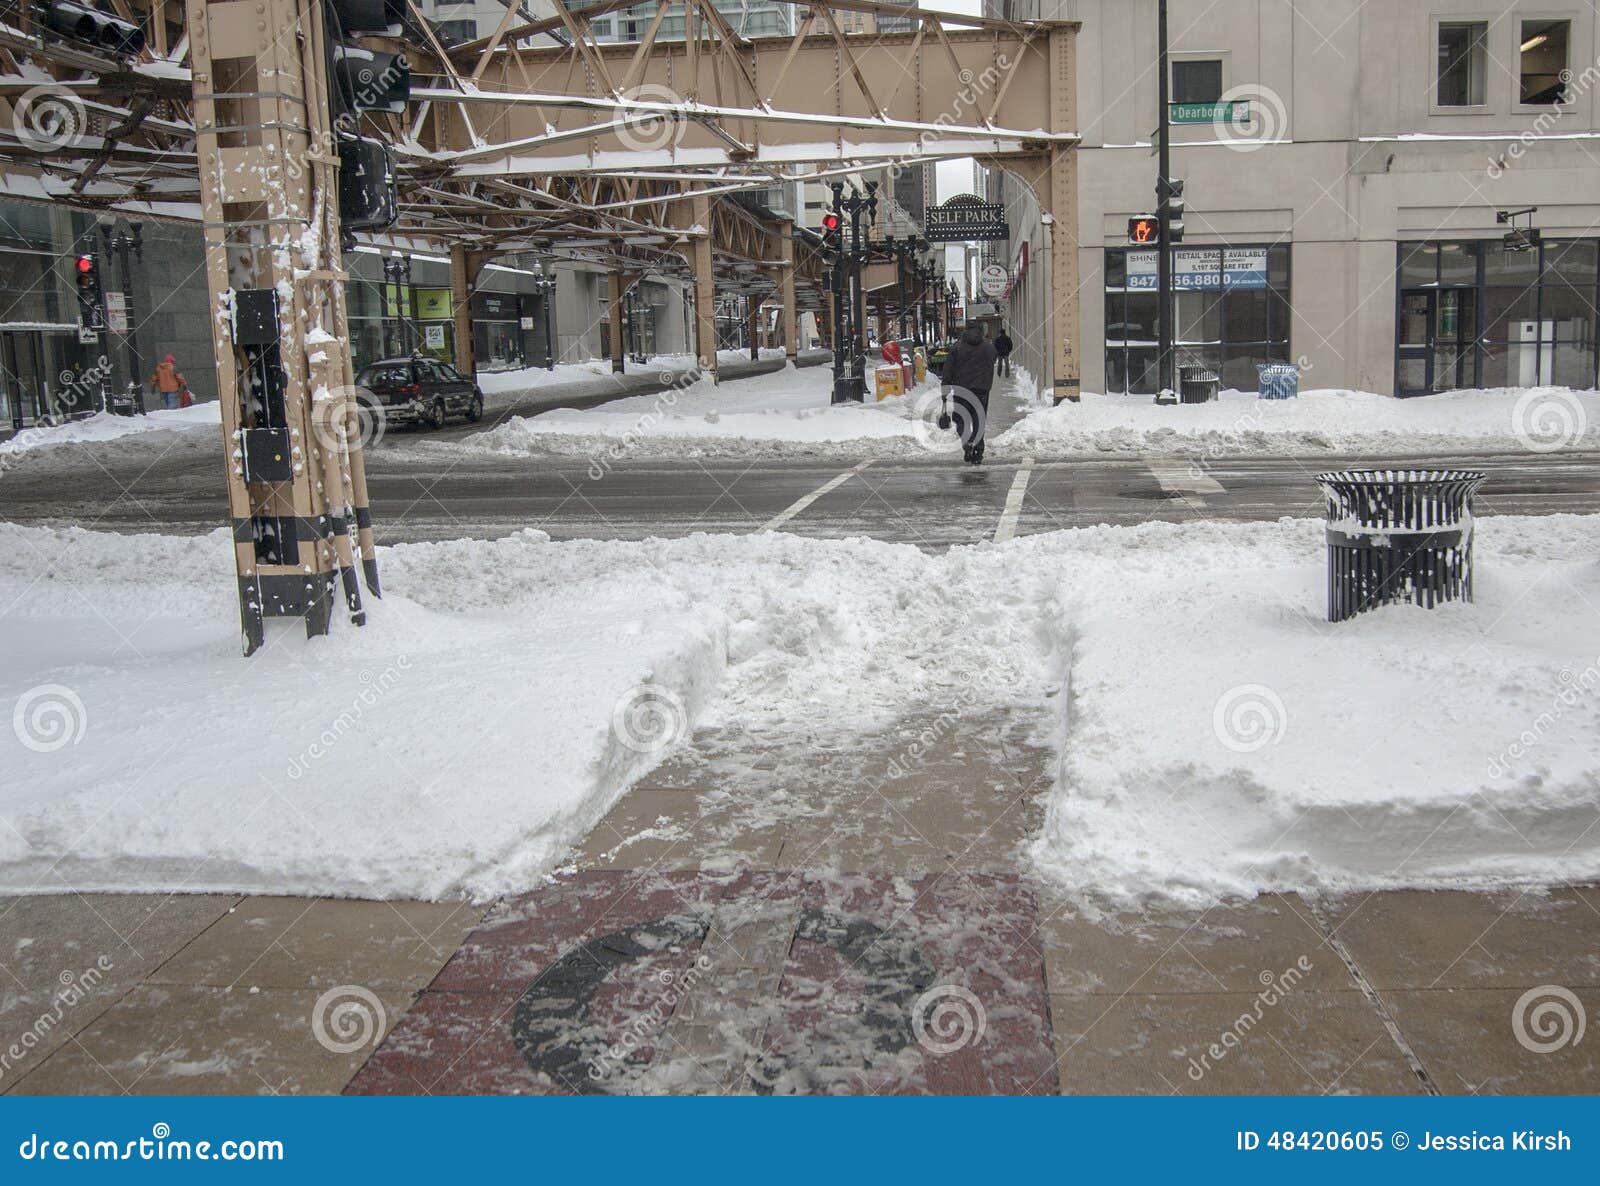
{"x": 994, "y": 280}
{"x": 1237, "y": 111}
{"x": 116, "y": 312}
{"x": 965, "y": 218}
{"x": 87, "y": 336}
{"x": 433, "y": 336}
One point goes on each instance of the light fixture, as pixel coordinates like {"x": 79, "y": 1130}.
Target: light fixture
{"x": 1535, "y": 41}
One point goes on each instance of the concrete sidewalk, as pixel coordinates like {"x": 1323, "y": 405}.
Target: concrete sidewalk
{"x": 861, "y": 921}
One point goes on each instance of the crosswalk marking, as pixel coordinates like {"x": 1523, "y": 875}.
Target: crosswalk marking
{"x": 1007, "y": 526}
{"x": 1183, "y": 477}
{"x": 800, "y": 504}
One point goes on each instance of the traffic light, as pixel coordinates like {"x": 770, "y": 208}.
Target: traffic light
{"x": 830, "y": 231}
{"x": 83, "y": 22}
{"x": 1170, "y": 196}
{"x": 362, "y": 80}
{"x": 1144, "y": 230}
{"x": 91, "y": 305}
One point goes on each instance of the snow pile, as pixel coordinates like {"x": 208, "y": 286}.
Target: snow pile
{"x": 1217, "y": 735}
{"x": 1543, "y": 419}
{"x": 430, "y": 754}
{"x": 784, "y": 412}
{"x": 525, "y": 379}
{"x": 159, "y": 430}
{"x": 1223, "y": 738}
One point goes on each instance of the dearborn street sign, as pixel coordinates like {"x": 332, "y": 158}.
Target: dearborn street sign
{"x": 965, "y": 218}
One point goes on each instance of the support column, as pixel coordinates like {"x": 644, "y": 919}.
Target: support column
{"x": 755, "y": 329}
{"x": 293, "y": 466}
{"x": 619, "y": 286}
{"x": 705, "y": 289}
{"x": 790, "y": 324}
{"x": 464, "y": 268}
{"x": 1065, "y": 369}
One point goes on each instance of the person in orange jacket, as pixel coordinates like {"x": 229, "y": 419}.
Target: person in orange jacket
{"x": 169, "y": 381}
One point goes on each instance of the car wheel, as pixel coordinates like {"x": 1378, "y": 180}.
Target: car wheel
{"x": 436, "y": 414}
{"x": 475, "y": 410}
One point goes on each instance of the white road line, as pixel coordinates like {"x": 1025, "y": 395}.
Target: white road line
{"x": 1180, "y": 477}
{"x": 1008, "y": 517}
{"x": 801, "y": 504}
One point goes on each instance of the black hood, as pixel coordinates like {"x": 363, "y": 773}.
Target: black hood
{"x": 973, "y": 334}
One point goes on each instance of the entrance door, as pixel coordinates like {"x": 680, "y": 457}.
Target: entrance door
{"x": 1414, "y": 346}
{"x": 1455, "y": 359}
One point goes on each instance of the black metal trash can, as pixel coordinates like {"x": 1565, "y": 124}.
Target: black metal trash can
{"x": 1398, "y": 536}
{"x": 1196, "y": 385}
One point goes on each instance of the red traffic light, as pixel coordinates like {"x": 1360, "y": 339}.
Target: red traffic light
{"x": 830, "y": 222}
{"x": 1144, "y": 230}
{"x": 85, "y": 264}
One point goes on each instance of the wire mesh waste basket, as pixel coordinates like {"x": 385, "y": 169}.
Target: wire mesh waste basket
{"x": 1398, "y": 536}
{"x": 1196, "y": 385}
{"x": 1277, "y": 380}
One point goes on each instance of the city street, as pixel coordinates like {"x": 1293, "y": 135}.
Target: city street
{"x": 759, "y": 912}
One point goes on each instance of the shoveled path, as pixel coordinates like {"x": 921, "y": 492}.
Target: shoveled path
{"x": 854, "y": 919}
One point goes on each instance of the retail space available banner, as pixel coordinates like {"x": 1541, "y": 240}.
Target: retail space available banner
{"x": 1202, "y": 268}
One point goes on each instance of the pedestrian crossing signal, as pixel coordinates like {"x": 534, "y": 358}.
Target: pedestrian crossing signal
{"x": 1146, "y": 230}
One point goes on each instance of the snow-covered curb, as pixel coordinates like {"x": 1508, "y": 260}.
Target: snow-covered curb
{"x": 1318, "y": 422}
{"x": 158, "y": 431}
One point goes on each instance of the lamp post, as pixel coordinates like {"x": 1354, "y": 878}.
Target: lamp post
{"x": 397, "y": 275}
{"x": 544, "y": 284}
{"x": 121, "y": 243}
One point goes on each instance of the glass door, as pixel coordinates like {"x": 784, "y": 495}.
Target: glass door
{"x": 1454, "y": 334}
{"x": 1414, "y": 346}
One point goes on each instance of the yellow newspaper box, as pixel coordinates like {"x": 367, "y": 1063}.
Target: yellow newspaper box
{"x": 919, "y": 360}
{"x": 890, "y": 381}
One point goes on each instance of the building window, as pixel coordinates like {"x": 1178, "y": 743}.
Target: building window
{"x": 1544, "y": 57}
{"x": 1463, "y": 59}
{"x": 1476, "y": 314}
{"x": 1231, "y": 309}
{"x": 1198, "y": 81}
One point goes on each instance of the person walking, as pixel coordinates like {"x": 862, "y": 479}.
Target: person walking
{"x": 168, "y": 380}
{"x": 967, "y": 377}
{"x": 1002, "y": 353}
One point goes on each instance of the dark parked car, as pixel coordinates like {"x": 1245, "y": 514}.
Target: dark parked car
{"x": 419, "y": 390}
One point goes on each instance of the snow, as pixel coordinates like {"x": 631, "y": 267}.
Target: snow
{"x": 1223, "y": 738}
{"x": 201, "y": 420}
{"x": 492, "y": 709}
{"x": 785, "y": 411}
{"x": 433, "y": 753}
{"x": 1319, "y": 421}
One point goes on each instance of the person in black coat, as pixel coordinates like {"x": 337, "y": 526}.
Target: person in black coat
{"x": 968, "y": 376}
{"x": 1002, "y": 353}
